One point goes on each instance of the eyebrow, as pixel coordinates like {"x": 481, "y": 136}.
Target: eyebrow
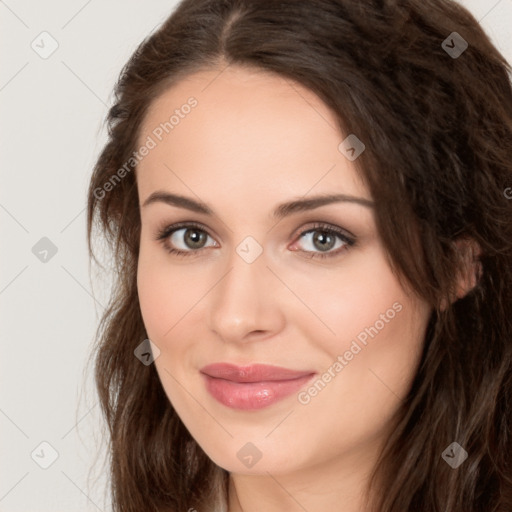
{"x": 282, "y": 210}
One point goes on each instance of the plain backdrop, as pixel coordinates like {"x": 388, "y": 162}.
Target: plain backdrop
{"x": 51, "y": 121}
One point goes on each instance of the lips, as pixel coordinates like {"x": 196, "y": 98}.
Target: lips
{"x": 254, "y": 386}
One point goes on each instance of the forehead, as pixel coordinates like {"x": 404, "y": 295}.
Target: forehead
{"x": 241, "y": 128}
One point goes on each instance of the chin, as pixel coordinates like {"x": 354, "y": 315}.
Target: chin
{"x": 253, "y": 458}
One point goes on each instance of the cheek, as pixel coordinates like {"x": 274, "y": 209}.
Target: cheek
{"x": 166, "y": 292}
{"x": 165, "y": 298}
{"x": 376, "y": 327}
{"x": 362, "y": 299}
{"x": 155, "y": 298}
{"x": 370, "y": 364}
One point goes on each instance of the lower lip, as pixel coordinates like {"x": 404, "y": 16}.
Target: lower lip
{"x": 252, "y": 395}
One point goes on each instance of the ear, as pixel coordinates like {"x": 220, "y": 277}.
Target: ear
{"x": 470, "y": 268}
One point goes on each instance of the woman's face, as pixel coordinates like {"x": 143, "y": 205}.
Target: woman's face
{"x": 305, "y": 287}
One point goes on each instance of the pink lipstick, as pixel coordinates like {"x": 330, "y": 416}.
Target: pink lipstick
{"x": 254, "y": 386}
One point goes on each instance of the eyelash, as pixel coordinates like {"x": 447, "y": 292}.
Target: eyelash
{"x": 164, "y": 233}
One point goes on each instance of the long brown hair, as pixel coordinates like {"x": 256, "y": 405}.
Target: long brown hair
{"x": 436, "y": 119}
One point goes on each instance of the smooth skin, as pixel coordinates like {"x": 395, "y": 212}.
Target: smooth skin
{"x": 253, "y": 141}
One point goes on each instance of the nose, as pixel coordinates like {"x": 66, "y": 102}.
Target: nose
{"x": 244, "y": 305}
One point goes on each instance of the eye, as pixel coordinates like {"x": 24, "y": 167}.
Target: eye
{"x": 187, "y": 239}
{"x": 324, "y": 238}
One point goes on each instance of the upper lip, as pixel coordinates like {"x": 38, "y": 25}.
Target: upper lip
{"x": 252, "y": 373}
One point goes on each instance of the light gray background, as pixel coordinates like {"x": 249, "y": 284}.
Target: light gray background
{"x": 51, "y": 122}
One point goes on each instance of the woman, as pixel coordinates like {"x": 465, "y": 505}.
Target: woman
{"x": 308, "y": 211}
